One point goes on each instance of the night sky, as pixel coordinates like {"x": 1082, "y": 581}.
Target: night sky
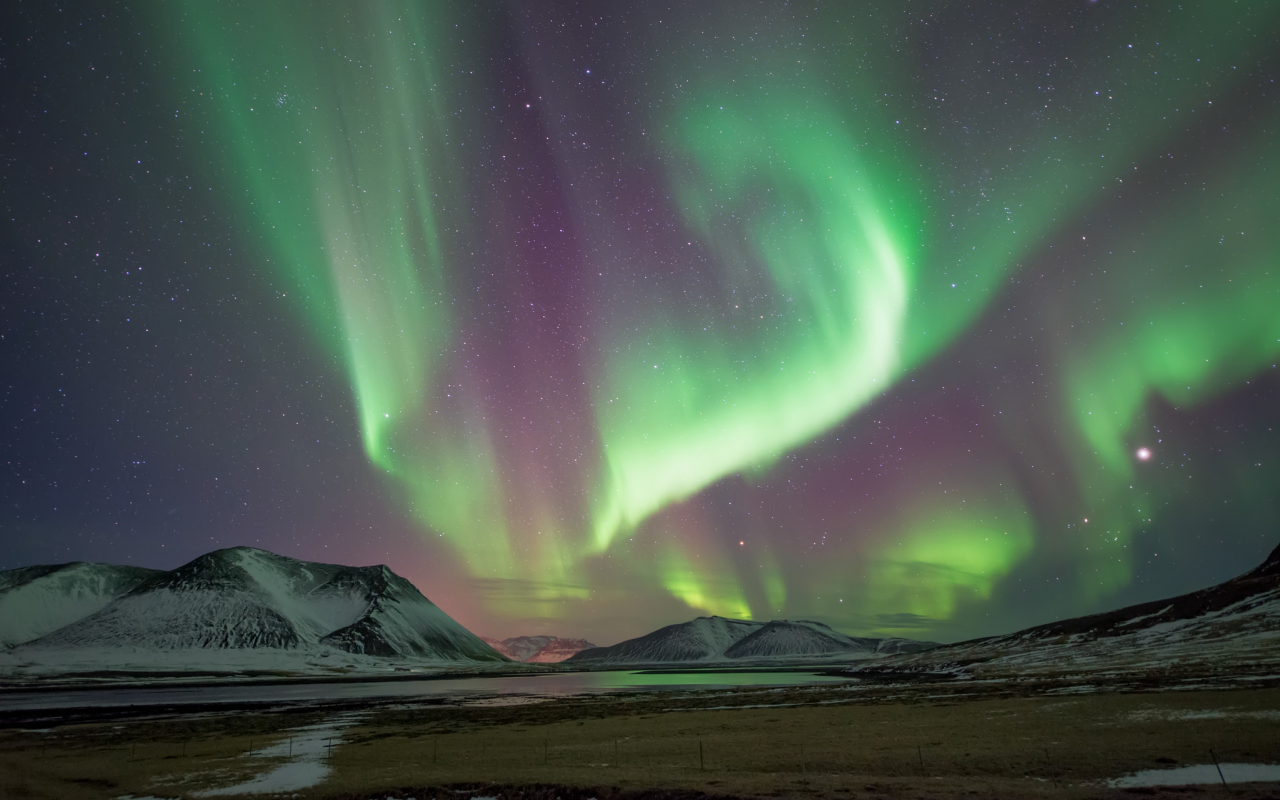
{"x": 919, "y": 319}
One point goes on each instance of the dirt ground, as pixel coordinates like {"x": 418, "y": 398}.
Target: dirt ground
{"x": 915, "y": 741}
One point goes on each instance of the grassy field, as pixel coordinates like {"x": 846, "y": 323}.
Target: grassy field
{"x": 894, "y": 741}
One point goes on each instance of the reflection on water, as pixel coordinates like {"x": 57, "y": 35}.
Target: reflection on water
{"x": 478, "y": 690}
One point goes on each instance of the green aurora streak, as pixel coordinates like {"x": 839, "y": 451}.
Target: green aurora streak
{"x": 854, "y": 235}
{"x": 343, "y": 146}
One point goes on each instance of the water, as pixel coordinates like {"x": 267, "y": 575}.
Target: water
{"x": 305, "y": 750}
{"x": 505, "y": 689}
{"x": 1199, "y": 773}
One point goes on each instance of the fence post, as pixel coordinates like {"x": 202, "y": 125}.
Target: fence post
{"x": 702, "y": 765}
{"x": 1221, "y": 777}
{"x": 920, "y": 755}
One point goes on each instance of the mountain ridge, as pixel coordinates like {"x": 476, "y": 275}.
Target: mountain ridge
{"x": 1233, "y": 625}
{"x": 37, "y": 600}
{"x": 248, "y": 599}
{"x": 1248, "y": 585}
{"x": 717, "y": 639}
{"x": 540, "y": 649}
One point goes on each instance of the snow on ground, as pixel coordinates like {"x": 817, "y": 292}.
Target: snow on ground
{"x": 1166, "y": 714}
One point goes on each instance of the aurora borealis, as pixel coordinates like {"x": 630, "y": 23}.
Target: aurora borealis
{"x": 593, "y": 319}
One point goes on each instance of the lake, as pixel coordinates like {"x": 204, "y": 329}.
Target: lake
{"x": 506, "y": 688}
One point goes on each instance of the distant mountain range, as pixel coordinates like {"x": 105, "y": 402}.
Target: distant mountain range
{"x": 1233, "y": 627}
{"x": 244, "y": 608}
{"x": 712, "y": 639}
{"x": 538, "y": 649}
{"x": 234, "y": 600}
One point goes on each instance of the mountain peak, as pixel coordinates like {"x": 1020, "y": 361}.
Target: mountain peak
{"x": 249, "y": 598}
{"x": 1271, "y": 566}
{"x": 539, "y": 649}
{"x": 720, "y": 638}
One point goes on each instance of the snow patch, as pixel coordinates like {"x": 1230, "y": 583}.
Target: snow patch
{"x": 1136, "y": 620}
{"x": 1172, "y": 715}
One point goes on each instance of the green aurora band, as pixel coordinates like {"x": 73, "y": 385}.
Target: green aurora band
{"x": 856, "y": 217}
{"x": 834, "y": 295}
{"x": 342, "y": 143}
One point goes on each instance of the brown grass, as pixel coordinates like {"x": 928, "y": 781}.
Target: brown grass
{"x": 927, "y": 742}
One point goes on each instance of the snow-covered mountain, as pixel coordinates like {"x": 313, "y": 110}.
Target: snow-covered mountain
{"x": 702, "y": 639}
{"x": 248, "y": 599}
{"x": 497, "y": 644}
{"x": 717, "y": 638}
{"x": 802, "y": 638}
{"x": 522, "y": 648}
{"x": 35, "y": 601}
{"x": 1246, "y": 602}
{"x": 558, "y": 650}
{"x": 538, "y": 649}
{"x": 1231, "y": 627}
{"x": 895, "y": 646}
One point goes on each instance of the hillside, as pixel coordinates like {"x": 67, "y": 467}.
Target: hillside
{"x": 248, "y": 600}
{"x": 1233, "y": 627}
{"x": 715, "y": 639}
{"x": 35, "y": 601}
